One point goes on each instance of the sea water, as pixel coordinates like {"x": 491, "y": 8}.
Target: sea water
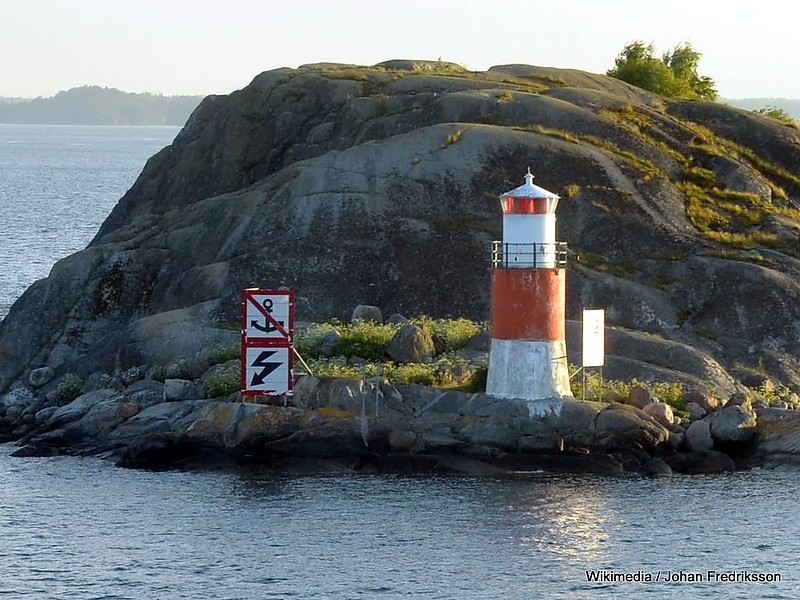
{"x": 82, "y": 528}
{"x": 57, "y": 185}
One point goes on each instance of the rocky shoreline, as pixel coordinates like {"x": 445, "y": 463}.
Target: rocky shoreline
{"x": 373, "y": 426}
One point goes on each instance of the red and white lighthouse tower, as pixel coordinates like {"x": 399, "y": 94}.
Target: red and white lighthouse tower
{"x": 528, "y": 356}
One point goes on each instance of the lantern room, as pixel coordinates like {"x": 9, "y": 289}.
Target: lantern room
{"x": 529, "y": 229}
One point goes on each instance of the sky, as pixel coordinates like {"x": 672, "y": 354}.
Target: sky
{"x": 215, "y": 47}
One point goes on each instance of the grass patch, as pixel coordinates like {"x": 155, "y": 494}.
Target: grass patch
{"x": 643, "y": 126}
{"x": 597, "y": 388}
{"x": 625, "y": 269}
{"x": 703, "y": 178}
{"x": 710, "y": 142}
{"x": 453, "y": 332}
{"x": 364, "y": 339}
{"x": 448, "y": 371}
{"x": 369, "y": 340}
{"x": 225, "y": 381}
{"x": 648, "y": 169}
{"x": 222, "y": 353}
{"x": 731, "y": 218}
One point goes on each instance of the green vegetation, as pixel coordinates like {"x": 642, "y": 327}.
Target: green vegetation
{"x": 454, "y": 333}
{"x": 789, "y": 106}
{"x": 448, "y": 370}
{"x": 364, "y": 339}
{"x": 368, "y": 341}
{"x": 648, "y": 169}
{"x": 709, "y": 142}
{"x": 773, "y": 112}
{"x": 597, "y": 388}
{"x": 223, "y": 353}
{"x": 728, "y": 217}
{"x": 672, "y": 393}
{"x": 624, "y": 269}
{"x": 644, "y": 127}
{"x": 225, "y": 382}
{"x": 70, "y": 388}
{"x": 572, "y": 190}
{"x": 452, "y": 370}
{"x": 674, "y": 74}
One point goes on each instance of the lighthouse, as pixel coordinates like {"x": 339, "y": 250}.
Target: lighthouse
{"x": 528, "y": 355}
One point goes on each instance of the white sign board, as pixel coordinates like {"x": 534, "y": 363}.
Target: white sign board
{"x": 268, "y": 370}
{"x": 594, "y": 322}
{"x": 268, "y": 315}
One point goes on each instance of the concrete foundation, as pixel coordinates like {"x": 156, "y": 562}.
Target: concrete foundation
{"x": 530, "y": 370}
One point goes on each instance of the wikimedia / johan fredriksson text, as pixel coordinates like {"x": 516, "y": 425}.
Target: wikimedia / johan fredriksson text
{"x": 710, "y": 576}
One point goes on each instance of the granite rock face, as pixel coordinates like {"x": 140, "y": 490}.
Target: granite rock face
{"x": 378, "y": 185}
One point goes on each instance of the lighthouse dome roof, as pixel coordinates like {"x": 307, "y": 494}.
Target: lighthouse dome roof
{"x": 529, "y": 190}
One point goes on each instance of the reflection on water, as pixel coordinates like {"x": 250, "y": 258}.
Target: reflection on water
{"x": 78, "y": 528}
{"x": 556, "y": 520}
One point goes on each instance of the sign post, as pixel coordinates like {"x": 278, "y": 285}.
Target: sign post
{"x": 267, "y": 342}
{"x": 594, "y": 322}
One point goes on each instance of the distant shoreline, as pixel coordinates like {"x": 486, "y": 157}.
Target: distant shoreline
{"x": 93, "y": 105}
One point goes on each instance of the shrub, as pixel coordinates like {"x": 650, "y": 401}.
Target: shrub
{"x": 363, "y": 338}
{"x": 406, "y": 373}
{"x": 455, "y": 333}
{"x": 597, "y": 388}
{"x": 225, "y": 381}
{"x": 69, "y": 388}
{"x": 338, "y": 367}
{"x": 477, "y": 382}
{"x": 670, "y": 393}
{"x": 222, "y": 353}
{"x": 369, "y": 341}
{"x": 306, "y": 341}
{"x": 774, "y": 112}
{"x": 448, "y": 371}
{"x": 366, "y": 339}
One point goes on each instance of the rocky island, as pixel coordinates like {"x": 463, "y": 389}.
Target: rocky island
{"x": 377, "y": 186}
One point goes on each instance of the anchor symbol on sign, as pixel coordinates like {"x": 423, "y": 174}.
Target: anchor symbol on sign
{"x": 268, "y": 327}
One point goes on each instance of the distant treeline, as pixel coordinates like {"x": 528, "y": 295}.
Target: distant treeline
{"x": 792, "y": 107}
{"x": 94, "y": 105}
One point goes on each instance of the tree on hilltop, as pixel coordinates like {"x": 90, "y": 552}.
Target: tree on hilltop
{"x": 674, "y": 74}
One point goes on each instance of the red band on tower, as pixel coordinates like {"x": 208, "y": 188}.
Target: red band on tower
{"x": 528, "y": 304}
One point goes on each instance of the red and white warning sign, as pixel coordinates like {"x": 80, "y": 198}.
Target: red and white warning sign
{"x": 267, "y": 341}
{"x": 268, "y": 315}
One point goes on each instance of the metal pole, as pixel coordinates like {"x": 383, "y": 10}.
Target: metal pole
{"x": 583, "y": 388}
{"x": 300, "y": 358}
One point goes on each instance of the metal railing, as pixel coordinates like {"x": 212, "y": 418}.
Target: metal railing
{"x": 529, "y": 256}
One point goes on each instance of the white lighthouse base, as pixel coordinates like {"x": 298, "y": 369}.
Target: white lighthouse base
{"x": 528, "y": 370}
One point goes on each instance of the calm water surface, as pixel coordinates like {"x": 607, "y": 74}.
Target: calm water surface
{"x": 81, "y": 528}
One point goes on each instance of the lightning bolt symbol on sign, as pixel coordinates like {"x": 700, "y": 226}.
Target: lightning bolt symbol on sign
{"x": 266, "y": 367}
